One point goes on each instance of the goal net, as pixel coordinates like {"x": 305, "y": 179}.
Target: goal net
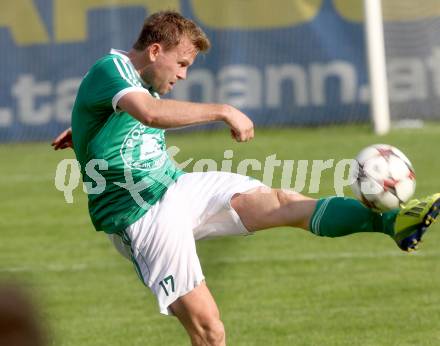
{"x": 412, "y": 54}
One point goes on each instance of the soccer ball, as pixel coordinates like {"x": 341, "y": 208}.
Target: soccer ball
{"x": 383, "y": 177}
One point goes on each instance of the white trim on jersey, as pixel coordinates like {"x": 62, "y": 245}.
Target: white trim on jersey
{"x": 127, "y": 79}
{"x": 125, "y": 91}
{"x": 121, "y": 53}
{"x": 136, "y": 75}
{"x": 130, "y": 74}
{"x": 132, "y": 71}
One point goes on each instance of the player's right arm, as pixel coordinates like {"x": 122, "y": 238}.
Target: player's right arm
{"x": 167, "y": 114}
{"x": 110, "y": 86}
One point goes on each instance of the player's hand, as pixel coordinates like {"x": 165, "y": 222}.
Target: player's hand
{"x": 242, "y": 128}
{"x": 64, "y": 140}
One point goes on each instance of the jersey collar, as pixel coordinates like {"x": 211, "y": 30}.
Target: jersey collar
{"x": 124, "y": 56}
{"x": 121, "y": 53}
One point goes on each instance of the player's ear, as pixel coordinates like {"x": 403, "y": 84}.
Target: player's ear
{"x": 153, "y": 51}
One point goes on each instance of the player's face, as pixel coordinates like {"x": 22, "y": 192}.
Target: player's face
{"x": 168, "y": 66}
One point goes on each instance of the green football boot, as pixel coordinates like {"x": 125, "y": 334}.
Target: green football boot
{"x": 413, "y": 221}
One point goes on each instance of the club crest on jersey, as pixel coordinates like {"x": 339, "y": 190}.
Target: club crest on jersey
{"x": 144, "y": 150}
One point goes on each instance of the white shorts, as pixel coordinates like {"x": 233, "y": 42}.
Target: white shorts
{"x": 161, "y": 244}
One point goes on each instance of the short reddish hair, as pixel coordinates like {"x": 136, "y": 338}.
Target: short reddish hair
{"x": 168, "y": 28}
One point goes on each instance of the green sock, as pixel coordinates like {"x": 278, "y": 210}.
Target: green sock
{"x": 339, "y": 216}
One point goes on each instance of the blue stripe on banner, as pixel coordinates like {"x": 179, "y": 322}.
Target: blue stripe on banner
{"x": 281, "y": 67}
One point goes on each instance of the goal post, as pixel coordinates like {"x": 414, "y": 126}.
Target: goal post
{"x": 375, "y": 47}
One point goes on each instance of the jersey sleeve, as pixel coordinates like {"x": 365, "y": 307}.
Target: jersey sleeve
{"x": 109, "y": 80}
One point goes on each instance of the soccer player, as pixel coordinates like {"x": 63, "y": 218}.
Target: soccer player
{"x": 153, "y": 212}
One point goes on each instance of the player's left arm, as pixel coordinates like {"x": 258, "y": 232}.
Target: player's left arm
{"x": 63, "y": 140}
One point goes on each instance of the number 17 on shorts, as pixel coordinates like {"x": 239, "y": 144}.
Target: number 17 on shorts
{"x": 168, "y": 285}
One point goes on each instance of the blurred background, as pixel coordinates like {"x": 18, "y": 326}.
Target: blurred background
{"x": 299, "y": 62}
{"x": 300, "y": 69}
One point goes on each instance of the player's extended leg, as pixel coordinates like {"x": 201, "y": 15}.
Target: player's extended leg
{"x": 198, "y": 313}
{"x": 263, "y": 208}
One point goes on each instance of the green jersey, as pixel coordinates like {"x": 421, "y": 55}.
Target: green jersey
{"x": 124, "y": 163}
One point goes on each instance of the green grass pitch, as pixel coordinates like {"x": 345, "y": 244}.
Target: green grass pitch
{"x": 279, "y": 287}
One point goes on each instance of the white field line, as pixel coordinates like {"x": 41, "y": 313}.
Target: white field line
{"x": 231, "y": 260}
{"x": 18, "y": 178}
{"x": 49, "y": 268}
{"x": 324, "y": 256}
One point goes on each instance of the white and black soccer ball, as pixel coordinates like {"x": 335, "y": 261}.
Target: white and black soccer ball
{"x": 383, "y": 177}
